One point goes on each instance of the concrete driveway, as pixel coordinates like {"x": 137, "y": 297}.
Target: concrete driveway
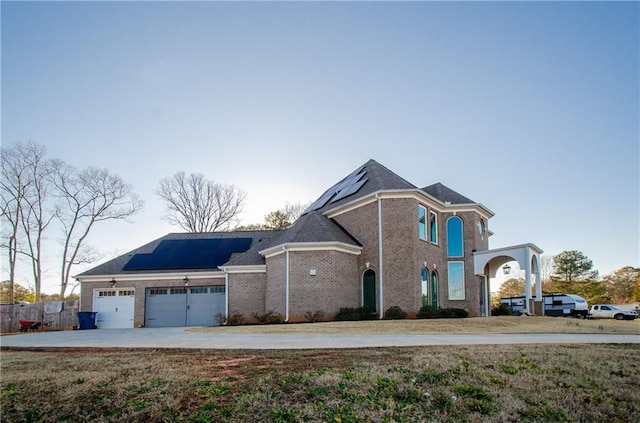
{"x": 183, "y": 338}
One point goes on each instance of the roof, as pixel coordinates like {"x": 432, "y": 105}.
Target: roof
{"x": 172, "y": 247}
{"x": 446, "y": 194}
{"x": 314, "y": 227}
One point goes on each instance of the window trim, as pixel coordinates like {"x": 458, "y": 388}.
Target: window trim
{"x": 450, "y": 271}
{"x": 422, "y": 225}
{"x": 433, "y": 228}
{"x": 449, "y": 252}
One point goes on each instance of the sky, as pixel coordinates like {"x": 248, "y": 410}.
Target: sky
{"x": 530, "y": 108}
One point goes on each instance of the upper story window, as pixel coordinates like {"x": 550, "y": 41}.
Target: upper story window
{"x": 433, "y": 227}
{"x": 422, "y": 223}
{"x": 481, "y": 228}
{"x": 455, "y": 239}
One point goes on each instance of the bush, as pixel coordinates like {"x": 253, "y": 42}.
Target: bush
{"x": 352, "y": 314}
{"x": 269, "y": 318}
{"x": 431, "y": 312}
{"x": 314, "y": 317}
{"x": 235, "y": 318}
{"x": 395, "y": 313}
{"x": 501, "y": 310}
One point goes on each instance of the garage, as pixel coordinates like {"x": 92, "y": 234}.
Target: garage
{"x": 184, "y": 306}
{"x": 114, "y": 308}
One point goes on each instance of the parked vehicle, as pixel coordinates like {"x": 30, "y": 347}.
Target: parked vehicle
{"x": 609, "y": 311}
{"x": 554, "y": 305}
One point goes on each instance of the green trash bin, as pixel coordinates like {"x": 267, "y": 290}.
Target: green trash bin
{"x": 87, "y": 320}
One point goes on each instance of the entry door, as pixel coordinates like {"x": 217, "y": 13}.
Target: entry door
{"x": 114, "y": 308}
{"x": 369, "y": 290}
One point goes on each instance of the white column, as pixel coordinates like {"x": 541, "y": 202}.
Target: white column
{"x": 527, "y": 279}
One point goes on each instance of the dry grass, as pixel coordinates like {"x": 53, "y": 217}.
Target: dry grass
{"x": 496, "y": 383}
{"x": 497, "y": 324}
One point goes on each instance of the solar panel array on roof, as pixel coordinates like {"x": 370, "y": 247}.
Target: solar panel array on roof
{"x": 348, "y": 186}
{"x": 189, "y": 254}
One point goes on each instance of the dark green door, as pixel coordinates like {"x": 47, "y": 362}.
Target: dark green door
{"x": 369, "y": 290}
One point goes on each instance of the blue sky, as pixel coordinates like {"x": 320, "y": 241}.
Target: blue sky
{"x": 529, "y": 108}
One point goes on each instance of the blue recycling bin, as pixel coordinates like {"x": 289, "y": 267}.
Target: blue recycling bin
{"x": 87, "y": 320}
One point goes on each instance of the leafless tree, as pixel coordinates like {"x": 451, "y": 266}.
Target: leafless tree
{"x": 87, "y": 197}
{"x": 13, "y": 186}
{"x": 200, "y": 205}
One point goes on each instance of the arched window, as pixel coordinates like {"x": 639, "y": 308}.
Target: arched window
{"x": 455, "y": 240}
{"x": 434, "y": 288}
{"x": 369, "y": 290}
{"x": 424, "y": 286}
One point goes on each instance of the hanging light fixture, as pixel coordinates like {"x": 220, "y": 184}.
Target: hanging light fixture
{"x": 506, "y": 269}
{"x": 113, "y": 282}
{"x": 186, "y": 281}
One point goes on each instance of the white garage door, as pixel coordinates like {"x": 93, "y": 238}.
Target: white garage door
{"x": 114, "y": 308}
{"x": 192, "y": 306}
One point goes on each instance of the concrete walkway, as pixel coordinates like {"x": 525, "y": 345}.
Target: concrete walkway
{"x": 182, "y": 338}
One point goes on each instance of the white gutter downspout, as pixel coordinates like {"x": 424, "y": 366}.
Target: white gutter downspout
{"x": 380, "y": 278}
{"x": 226, "y": 295}
{"x": 286, "y": 285}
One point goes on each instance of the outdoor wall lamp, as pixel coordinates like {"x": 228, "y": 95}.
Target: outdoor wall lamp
{"x": 506, "y": 269}
{"x": 186, "y": 281}
{"x": 113, "y": 282}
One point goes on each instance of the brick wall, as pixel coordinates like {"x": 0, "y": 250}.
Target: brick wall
{"x": 247, "y": 293}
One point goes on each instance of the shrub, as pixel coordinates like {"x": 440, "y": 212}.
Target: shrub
{"x": 428, "y": 312}
{"x": 235, "y": 318}
{"x": 314, "y": 317}
{"x": 395, "y": 313}
{"x": 501, "y": 310}
{"x": 431, "y": 312}
{"x": 352, "y": 313}
{"x": 269, "y": 318}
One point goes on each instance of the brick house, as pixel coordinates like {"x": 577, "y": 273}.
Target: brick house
{"x": 373, "y": 239}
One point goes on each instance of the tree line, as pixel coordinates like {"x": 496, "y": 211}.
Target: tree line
{"x": 39, "y": 195}
{"x": 572, "y": 273}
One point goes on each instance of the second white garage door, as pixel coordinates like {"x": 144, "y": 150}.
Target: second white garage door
{"x": 192, "y": 306}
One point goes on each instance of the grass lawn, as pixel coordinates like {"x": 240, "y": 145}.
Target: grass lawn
{"x": 494, "y": 383}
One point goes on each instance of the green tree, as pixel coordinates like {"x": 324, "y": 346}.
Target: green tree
{"x": 513, "y": 287}
{"x": 573, "y": 274}
{"x": 622, "y": 283}
{"x": 20, "y": 293}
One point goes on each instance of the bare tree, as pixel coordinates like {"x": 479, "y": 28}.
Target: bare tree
{"x": 13, "y": 186}
{"x": 87, "y": 197}
{"x": 35, "y": 213}
{"x": 200, "y": 205}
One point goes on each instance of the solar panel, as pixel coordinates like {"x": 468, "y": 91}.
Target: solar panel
{"x": 346, "y": 187}
{"x": 189, "y": 254}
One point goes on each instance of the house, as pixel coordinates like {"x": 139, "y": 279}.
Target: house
{"x": 373, "y": 239}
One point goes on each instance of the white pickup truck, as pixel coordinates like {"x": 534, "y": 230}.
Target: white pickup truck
{"x": 609, "y": 311}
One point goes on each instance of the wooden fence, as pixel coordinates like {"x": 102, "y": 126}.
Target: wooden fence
{"x": 54, "y": 315}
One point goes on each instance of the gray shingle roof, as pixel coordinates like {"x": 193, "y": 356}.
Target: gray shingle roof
{"x": 314, "y": 227}
{"x": 446, "y": 194}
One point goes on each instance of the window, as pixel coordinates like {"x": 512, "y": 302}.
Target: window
{"x": 178, "y": 290}
{"x": 106, "y": 293}
{"x": 422, "y": 223}
{"x": 217, "y": 290}
{"x": 433, "y": 227}
{"x": 126, "y": 293}
{"x": 455, "y": 242}
{"x": 158, "y": 291}
{"x": 198, "y": 290}
{"x": 481, "y": 228}
{"x": 456, "y": 280}
{"x": 434, "y": 288}
{"x": 424, "y": 281}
